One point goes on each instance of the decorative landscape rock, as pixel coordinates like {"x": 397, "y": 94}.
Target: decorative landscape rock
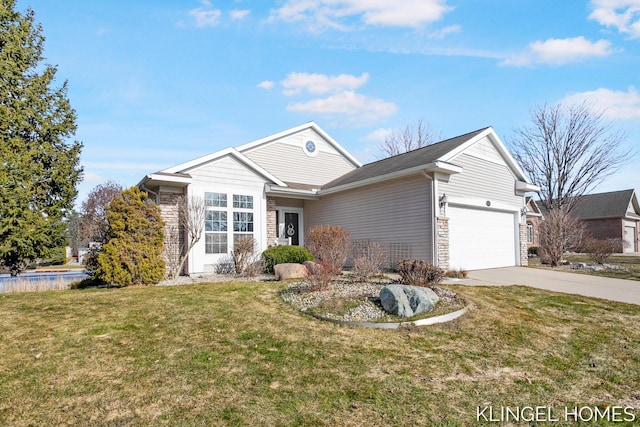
{"x": 290, "y": 271}
{"x": 407, "y": 301}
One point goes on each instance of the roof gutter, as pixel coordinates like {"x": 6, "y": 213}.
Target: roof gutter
{"x": 292, "y": 193}
{"x": 439, "y": 166}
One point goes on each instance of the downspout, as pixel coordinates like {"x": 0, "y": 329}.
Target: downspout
{"x": 434, "y": 220}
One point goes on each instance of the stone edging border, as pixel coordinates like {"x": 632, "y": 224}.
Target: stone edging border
{"x": 422, "y": 322}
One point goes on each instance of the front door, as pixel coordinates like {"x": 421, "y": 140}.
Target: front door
{"x": 291, "y": 227}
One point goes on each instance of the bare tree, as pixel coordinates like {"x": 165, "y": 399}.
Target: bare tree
{"x": 408, "y": 138}
{"x": 559, "y": 233}
{"x": 567, "y": 150}
{"x": 181, "y": 238}
{"x": 93, "y": 215}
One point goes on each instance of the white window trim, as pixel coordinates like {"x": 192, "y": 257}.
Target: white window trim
{"x": 229, "y": 210}
{"x": 280, "y": 225}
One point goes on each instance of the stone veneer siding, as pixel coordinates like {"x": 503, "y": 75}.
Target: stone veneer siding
{"x": 443, "y": 242}
{"x": 271, "y": 221}
{"x": 524, "y": 255}
{"x": 168, "y": 203}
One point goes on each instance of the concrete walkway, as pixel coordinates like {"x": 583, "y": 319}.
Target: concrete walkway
{"x": 569, "y": 283}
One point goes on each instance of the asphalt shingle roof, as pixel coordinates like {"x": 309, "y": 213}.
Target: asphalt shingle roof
{"x": 603, "y": 205}
{"x": 411, "y": 159}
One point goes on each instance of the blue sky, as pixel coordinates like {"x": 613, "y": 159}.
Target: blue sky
{"x": 156, "y": 83}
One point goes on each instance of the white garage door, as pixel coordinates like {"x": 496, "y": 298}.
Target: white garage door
{"x": 481, "y": 238}
{"x": 629, "y": 239}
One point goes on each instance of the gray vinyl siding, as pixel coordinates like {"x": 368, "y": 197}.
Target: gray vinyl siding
{"x": 287, "y": 160}
{"x": 393, "y": 212}
{"x": 226, "y": 172}
{"x": 482, "y": 179}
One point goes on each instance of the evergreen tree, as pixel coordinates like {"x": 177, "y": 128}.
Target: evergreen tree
{"x": 135, "y": 240}
{"x": 39, "y": 169}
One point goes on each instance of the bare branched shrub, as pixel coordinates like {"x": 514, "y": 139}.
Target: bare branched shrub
{"x": 419, "y": 273}
{"x": 457, "y": 273}
{"x": 245, "y": 257}
{"x": 599, "y": 250}
{"x": 181, "y": 238}
{"x": 368, "y": 259}
{"x": 225, "y": 265}
{"x": 559, "y": 233}
{"x": 330, "y": 244}
{"x": 320, "y": 275}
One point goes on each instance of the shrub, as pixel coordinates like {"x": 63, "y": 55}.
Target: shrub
{"x": 419, "y": 273}
{"x": 285, "y": 254}
{"x": 458, "y": 273}
{"x": 320, "y": 275}
{"x": 330, "y": 244}
{"x": 132, "y": 254}
{"x": 243, "y": 256}
{"x": 599, "y": 250}
{"x": 368, "y": 259}
{"x": 533, "y": 251}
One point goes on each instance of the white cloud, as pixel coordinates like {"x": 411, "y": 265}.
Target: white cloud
{"x": 322, "y": 14}
{"x": 205, "y": 17}
{"x": 443, "y": 32}
{"x": 378, "y": 135}
{"x": 615, "y": 104}
{"x": 238, "y": 14}
{"x": 318, "y": 84}
{"x": 560, "y": 51}
{"x": 267, "y": 84}
{"x": 621, "y": 14}
{"x": 360, "y": 109}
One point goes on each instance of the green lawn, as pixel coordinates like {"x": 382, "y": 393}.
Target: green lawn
{"x": 234, "y": 354}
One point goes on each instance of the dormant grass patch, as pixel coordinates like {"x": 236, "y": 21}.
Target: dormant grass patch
{"x": 234, "y": 354}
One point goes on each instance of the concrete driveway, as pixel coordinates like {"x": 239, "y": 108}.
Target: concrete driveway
{"x": 569, "y": 283}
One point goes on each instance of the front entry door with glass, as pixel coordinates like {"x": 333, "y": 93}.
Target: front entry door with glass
{"x": 291, "y": 227}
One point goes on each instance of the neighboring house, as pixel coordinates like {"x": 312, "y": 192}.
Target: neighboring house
{"x": 612, "y": 215}
{"x": 534, "y": 218}
{"x": 458, "y": 203}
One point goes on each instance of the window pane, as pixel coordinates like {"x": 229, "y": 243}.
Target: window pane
{"x": 215, "y": 221}
{"x": 216, "y": 243}
{"x": 243, "y": 222}
{"x": 242, "y": 202}
{"x": 218, "y": 200}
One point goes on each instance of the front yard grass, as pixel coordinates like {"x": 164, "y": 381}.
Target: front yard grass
{"x": 234, "y": 354}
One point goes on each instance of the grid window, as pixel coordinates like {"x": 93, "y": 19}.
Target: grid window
{"x": 216, "y": 243}
{"x": 215, "y": 221}
{"x": 218, "y": 200}
{"x": 529, "y": 232}
{"x": 243, "y": 222}
{"x": 242, "y": 202}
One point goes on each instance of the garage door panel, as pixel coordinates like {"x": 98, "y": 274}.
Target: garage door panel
{"x": 481, "y": 238}
{"x": 630, "y": 239}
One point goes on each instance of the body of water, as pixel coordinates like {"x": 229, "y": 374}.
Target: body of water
{"x": 42, "y": 278}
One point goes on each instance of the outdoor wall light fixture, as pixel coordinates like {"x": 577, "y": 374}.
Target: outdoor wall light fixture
{"x": 524, "y": 211}
{"x": 443, "y": 200}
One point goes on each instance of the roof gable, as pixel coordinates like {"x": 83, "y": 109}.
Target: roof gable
{"x": 613, "y": 204}
{"x": 439, "y": 155}
{"x": 204, "y": 160}
{"x": 310, "y": 126}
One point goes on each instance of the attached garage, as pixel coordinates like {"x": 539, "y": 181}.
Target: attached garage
{"x": 482, "y": 238}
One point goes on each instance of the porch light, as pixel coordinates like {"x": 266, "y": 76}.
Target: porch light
{"x": 524, "y": 211}
{"x": 443, "y": 200}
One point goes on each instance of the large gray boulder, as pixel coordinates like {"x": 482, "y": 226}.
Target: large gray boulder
{"x": 290, "y": 271}
{"x": 407, "y": 301}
